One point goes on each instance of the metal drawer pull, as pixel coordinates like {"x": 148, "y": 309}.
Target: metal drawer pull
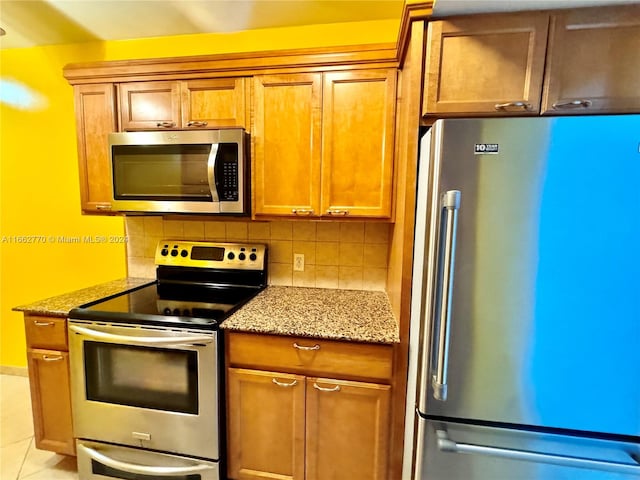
{"x": 322, "y": 389}
{"x": 521, "y": 105}
{"x": 344, "y": 213}
{"x": 47, "y": 358}
{"x": 282, "y": 384}
{"x": 43, "y": 324}
{"x": 445, "y": 444}
{"x": 194, "y": 123}
{"x": 302, "y": 211}
{"x": 103, "y": 207}
{"x": 143, "y": 469}
{"x": 571, "y": 104}
{"x": 165, "y": 124}
{"x": 302, "y": 347}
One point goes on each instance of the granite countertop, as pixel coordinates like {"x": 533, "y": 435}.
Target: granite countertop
{"x": 61, "y": 305}
{"x": 363, "y": 316}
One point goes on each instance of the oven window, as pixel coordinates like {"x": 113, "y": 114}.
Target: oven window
{"x": 100, "y": 469}
{"x": 156, "y": 378}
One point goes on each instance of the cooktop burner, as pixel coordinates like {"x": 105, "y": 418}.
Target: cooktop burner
{"x": 198, "y": 288}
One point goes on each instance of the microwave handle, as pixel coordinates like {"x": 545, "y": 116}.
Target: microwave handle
{"x": 211, "y": 172}
{"x": 137, "y": 469}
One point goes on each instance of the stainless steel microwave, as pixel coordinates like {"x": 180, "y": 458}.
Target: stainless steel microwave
{"x": 180, "y": 171}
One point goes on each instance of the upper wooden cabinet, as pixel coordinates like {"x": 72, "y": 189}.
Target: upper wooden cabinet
{"x": 208, "y": 103}
{"x": 95, "y": 107}
{"x": 324, "y": 143}
{"x": 489, "y": 64}
{"x": 593, "y": 61}
{"x": 493, "y": 64}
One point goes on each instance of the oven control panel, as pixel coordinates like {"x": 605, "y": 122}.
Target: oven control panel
{"x": 237, "y": 256}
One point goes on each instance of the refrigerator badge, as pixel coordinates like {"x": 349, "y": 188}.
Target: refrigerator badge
{"x": 486, "y": 148}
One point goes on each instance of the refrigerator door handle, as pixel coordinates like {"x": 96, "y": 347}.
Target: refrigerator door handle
{"x": 450, "y": 207}
{"x": 445, "y": 444}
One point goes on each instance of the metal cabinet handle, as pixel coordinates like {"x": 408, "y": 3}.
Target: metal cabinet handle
{"x": 43, "y": 324}
{"x": 302, "y": 211}
{"x": 166, "y": 124}
{"x": 194, "y": 123}
{"x": 520, "y": 105}
{"x": 302, "y": 347}
{"x": 143, "y": 469}
{"x": 571, "y": 104}
{"x": 323, "y": 389}
{"x": 103, "y": 207}
{"x": 282, "y": 384}
{"x": 445, "y": 444}
{"x": 450, "y": 206}
{"x": 48, "y": 358}
{"x": 344, "y": 213}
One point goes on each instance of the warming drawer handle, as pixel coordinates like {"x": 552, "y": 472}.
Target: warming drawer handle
{"x": 450, "y": 207}
{"x": 141, "y": 340}
{"x": 143, "y": 469}
{"x": 445, "y": 444}
{"x": 302, "y": 347}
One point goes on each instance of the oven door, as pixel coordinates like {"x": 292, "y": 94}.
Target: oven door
{"x": 98, "y": 461}
{"x": 145, "y": 387}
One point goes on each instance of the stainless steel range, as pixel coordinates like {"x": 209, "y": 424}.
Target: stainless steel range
{"x": 146, "y": 366}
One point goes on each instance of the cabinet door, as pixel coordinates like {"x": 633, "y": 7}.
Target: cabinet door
{"x": 265, "y": 425}
{"x": 51, "y": 400}
{"x": 489, "y": 64}
{"x": 347, "y": 430}
{"x": 95, "y": 120}
{"x": 358, "y": 141}
{"x": 218, "y": 102}
{"x": 593, "y": 62}
{"x": 286, "y": 137}
{"x": 149, "y": 105}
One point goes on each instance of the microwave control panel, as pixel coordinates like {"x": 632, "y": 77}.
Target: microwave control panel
{"x": 227, "y": 172}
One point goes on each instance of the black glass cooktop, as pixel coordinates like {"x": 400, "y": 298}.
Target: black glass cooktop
{"x": 181, "y": 306}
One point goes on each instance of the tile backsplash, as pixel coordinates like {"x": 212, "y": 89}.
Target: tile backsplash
{"x": 345, "y": 255}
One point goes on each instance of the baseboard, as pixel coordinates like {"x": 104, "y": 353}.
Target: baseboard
{"x": 18, "y": 371}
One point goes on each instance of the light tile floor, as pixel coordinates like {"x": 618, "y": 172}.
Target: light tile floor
{"x": 20, "y": 459}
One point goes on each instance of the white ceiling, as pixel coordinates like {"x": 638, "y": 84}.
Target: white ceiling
{"x": 47, "y": 22}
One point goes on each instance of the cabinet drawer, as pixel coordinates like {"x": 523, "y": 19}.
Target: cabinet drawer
{"x": 310, "y": 356}
{"x": 46, "y": 332}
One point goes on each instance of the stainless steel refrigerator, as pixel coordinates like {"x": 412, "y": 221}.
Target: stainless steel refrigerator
{"x": 525, "y": 323}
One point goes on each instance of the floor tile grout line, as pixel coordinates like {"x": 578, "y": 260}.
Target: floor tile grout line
{"x": 24, "y": 459}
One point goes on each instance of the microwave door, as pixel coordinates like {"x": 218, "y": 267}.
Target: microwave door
{"x": 211, "y": 172}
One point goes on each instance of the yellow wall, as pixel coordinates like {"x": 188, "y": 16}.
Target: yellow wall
{"x": 39, "y": 193}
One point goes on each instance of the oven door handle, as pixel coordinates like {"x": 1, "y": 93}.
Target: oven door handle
{"x": 131, "y": 340}
{"x": 142, "y": 469}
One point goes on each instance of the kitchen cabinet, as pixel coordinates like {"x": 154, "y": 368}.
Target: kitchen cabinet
{"x": 324, "y": 143}
{"x": 585, "y": 62}
{"x": 204, "y": 103}
{"x": 298, "y": 407}
{"x": 95, "y": 109}
{"x": 593, "y": 61}
{"x": 48, "y": 362}
{"x": 485, "y": 64}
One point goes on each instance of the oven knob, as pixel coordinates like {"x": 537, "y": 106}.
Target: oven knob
{"x": 167, "y": 311}
{"x": 174, "y": 253}
{"x": 242, "y": 256}
{"x": 231, "y": 256}
{"x": 184, "y": 253}
{"x": 176, "y": 311}
{"x": 164, "y": 252}
{"x": 186, "y": 312}
{"x": 253, "y": 257}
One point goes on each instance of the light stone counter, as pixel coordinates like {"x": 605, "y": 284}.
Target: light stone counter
{"x": 61, "y": 305}
{"x": 362, "y": 316}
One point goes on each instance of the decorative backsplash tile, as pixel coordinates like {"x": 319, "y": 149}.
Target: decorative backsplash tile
{"x": 345, "y": 255}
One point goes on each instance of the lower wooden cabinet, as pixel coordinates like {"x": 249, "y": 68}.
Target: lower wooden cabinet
{"x": 48, "y": 361}
{"x": 287, "y": 425}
